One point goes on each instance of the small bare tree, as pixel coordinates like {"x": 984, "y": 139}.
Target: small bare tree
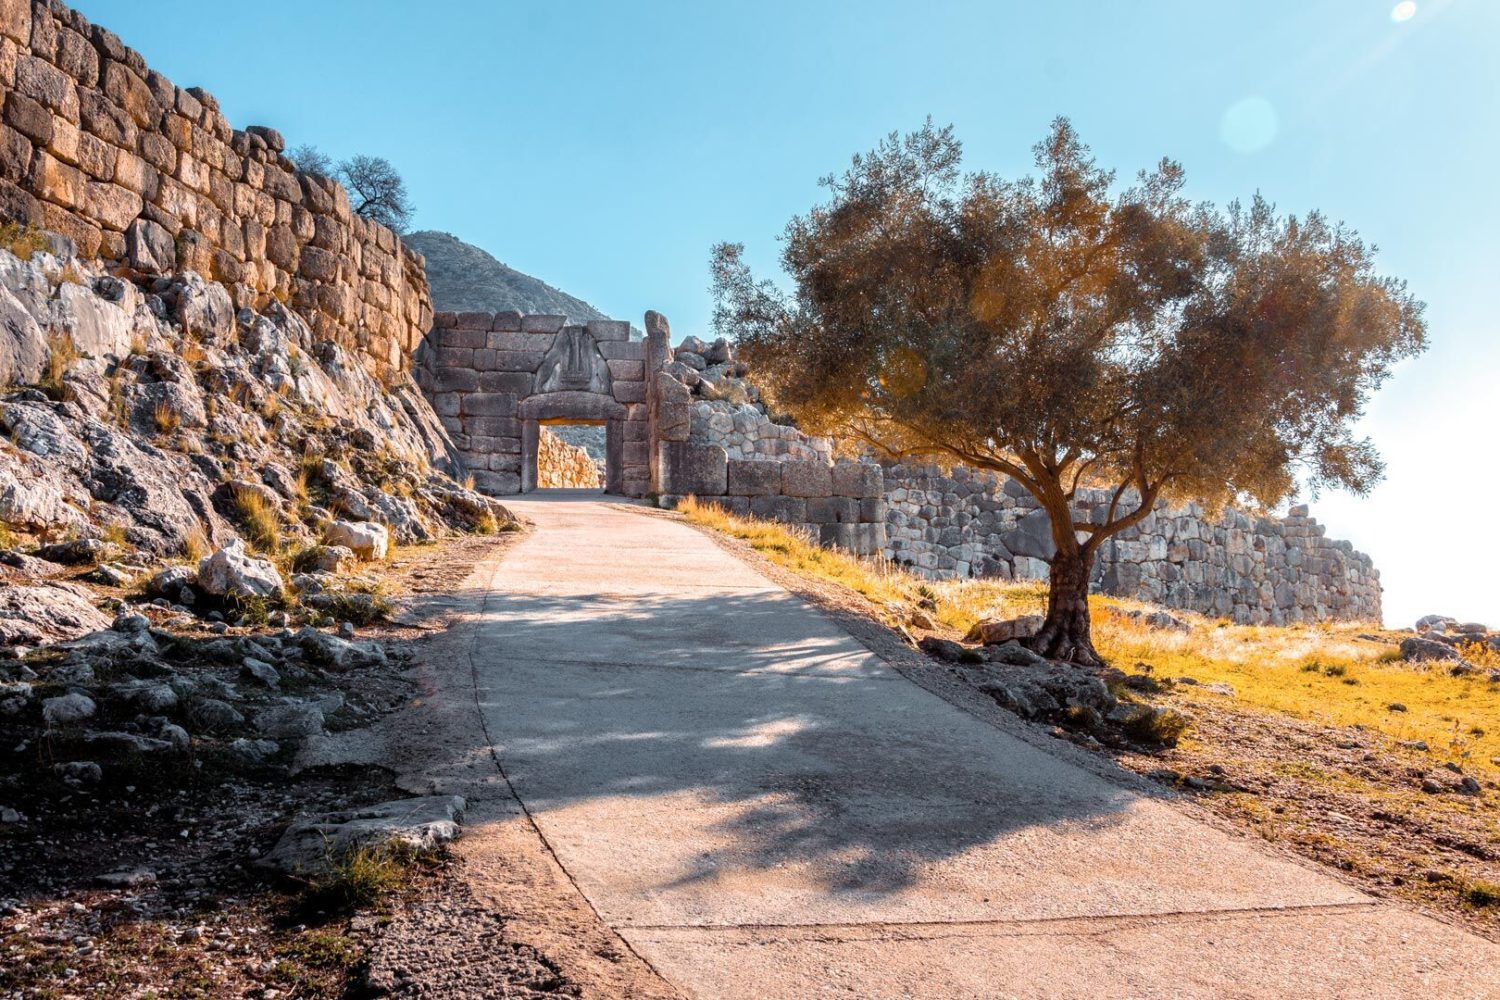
{"x": 1063, "y": 335}
{"x": 376, "y": 190}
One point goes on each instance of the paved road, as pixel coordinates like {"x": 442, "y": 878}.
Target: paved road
{"x": 763, "y": 808}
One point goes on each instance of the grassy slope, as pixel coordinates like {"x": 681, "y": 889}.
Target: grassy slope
{"x": 1319, "y": 673}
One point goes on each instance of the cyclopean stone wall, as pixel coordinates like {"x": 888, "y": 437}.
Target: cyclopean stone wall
{"x": 97, "y": 146}
{"x": 496, "y": 378}
{"x": 1255, "y": 570}
{"x": 563, "y": 466}
{"x": 712, "y": 440}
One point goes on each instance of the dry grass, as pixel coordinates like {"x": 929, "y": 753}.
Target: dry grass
{"x": 21, "y": 240}
{"x": 62, "y": 355}
{"x": 260, "y": 520}
{"x": 166, "y": 418}
{"x": 195, "y": 546}
{"x": 1320, "y": 673}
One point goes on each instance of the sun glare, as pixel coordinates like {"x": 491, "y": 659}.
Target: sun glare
{"x": 1404, "y": 11}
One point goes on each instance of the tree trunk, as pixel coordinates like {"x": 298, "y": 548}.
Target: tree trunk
{"x": 1065, "y": 633}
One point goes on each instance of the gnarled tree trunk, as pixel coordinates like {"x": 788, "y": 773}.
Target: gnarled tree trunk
{"x": 1065, "y": 633}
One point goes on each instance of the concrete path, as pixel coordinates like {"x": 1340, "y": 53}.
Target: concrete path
{"x": 762, "y": 808}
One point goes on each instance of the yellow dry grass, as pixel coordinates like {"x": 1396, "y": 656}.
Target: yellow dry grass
{"x": 1323, "y": 673}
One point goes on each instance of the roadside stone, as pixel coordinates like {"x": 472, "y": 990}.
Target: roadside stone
{"x": 261, "y": 672}
{"x": 67, "y": 709}
{"x": 232, "y": 572}
{"x": 310, "y": 845}
{"x": 212, "y": 714}
{"x": 999, "y": 631}
{"x": 291, "y": 721}
{"x": 365, "y": 539}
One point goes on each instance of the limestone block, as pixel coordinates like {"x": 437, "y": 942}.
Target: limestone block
{"x": 518, "y": 383}
{"x": 858, "y": 480}
{"x": 542, "y": 323}
{"x": 475, "y": 321}
{"x": 674, "y": 422}
{"x": 623, "y": 350}
{"x": 515, "y": 361}
{"x": 609, "y": 329}
{"x": 806, "y": 479}
{"x": 514, "y": 340}
{"x": 630, "y": 392}
{"x": 698, "y": 469}
{"x": 753, "y": 478}
{"x": 733, "y": 504}
{"x": 496, "y": 483}
{"x": 792, "y": 510}
{"x": 507, "y": 320}
{"x": 490, "y": 404}
{"x": 628, "y": 371}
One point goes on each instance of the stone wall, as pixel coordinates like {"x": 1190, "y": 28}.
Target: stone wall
{"x": 712, "y": 440}
{"x": 97, "y": 146}
{"x": 1255, "y": 570}
{"x": 562, "y": 466}
{"x": 496, "y": 378}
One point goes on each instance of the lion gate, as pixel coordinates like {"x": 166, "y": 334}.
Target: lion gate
{"x": 496, "y": 378}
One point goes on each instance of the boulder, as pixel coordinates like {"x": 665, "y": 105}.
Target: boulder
{"x": 67, "y": 709}
{"x": 365, "y": 539}
{"x": 998, "y": 631}
{"x": 312, "y": 845}
{"x": 49, "y": 613}
{"x": 1415, "y": 649}
{"x": 211, "y": 714}
{"x": 232, "y": 572}
{"x": 291, "y": 721}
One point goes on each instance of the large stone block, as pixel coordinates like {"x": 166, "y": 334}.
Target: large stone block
{"x": 507, "y": 320}
{"x": 456, "y": 380}
{"x": 623, "y": 350}
{"x": 542, "y": 323}
{"x": 609, "y": 329}
{"x": 627, "y": 371}
{"x": 475, "y": 321}
{"x": 514, "y": 340}
{"x": 751, "y": 479}
{"x": 806, "y": 479}
{"x": 699, "y": 469}
{"x": 518, "y": 383}
{"x": 674, "y": 422}
{"x": 496, "y": 483}
{"x": 833, "y": 510}
{"x": 789, "y": 510}
{"x": 490, "y": 404}
{"x": 734, "y": 505}
{"x": 630, "y": 392}
{"x": 858, "y": 480}
{"x": 516, "y": 361}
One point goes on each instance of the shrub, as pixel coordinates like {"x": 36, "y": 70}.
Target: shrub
{"x": 22, "y": 240}
{"x": 166, "y": 417}
{"x": 260, "y": 520}
{"x": 62, "y": 355}
{"x": 1482, "y": 893}
{"x": 1160, "y": 725}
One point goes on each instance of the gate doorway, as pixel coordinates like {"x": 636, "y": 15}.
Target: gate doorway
{"x": 571, "y": 455}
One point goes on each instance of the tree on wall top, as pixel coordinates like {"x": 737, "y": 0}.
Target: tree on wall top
{"x": 1063, "y": 335}
{"x": 376, "y": 190}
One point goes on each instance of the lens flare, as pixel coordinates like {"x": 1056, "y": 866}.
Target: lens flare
{"x": 1404, "y": 11}
{"x": 1249, "y": 125}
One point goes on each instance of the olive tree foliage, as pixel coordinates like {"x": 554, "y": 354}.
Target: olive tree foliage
{"x": 376, "y": 190}
{"x": 1066, "y": 332}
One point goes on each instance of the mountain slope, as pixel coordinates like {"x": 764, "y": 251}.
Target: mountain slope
{"x": 465, "y": 278}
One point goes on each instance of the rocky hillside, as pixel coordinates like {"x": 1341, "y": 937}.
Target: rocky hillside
{"x": 159, "y": 420}
{"x": 465, "y": 278}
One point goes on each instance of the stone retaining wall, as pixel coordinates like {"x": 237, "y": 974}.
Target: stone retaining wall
{"x": 1254, "y": 570}
{"x": 732, "y": 455}
{"x": 97, "y": 146}
{"x": 562, "y": 466}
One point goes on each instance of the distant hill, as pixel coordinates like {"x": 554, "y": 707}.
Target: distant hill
{"x": 465, "y": 278}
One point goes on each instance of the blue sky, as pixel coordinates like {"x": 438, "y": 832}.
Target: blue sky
{"x": 605, "y": 146}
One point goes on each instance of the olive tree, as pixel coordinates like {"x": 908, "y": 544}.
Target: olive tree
{"x": 1067, "y": 332}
